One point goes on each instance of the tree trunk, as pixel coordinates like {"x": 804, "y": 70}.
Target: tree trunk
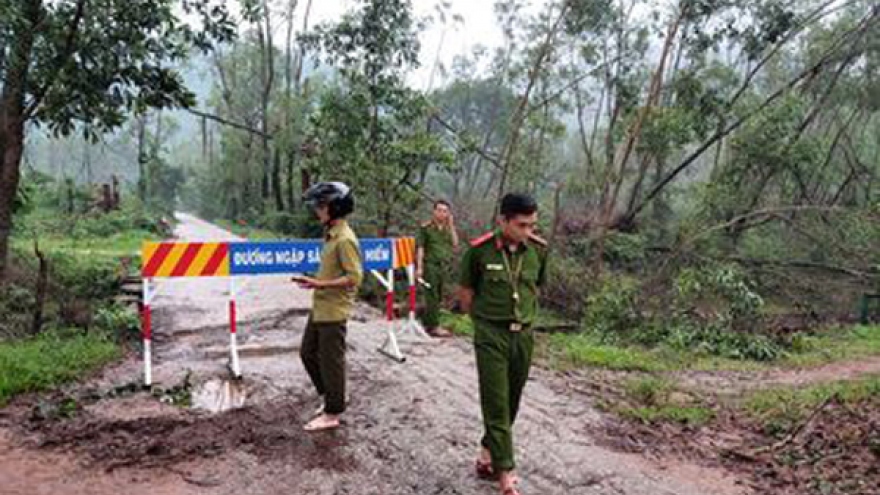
{"x": 11, "y": 147}
{"x": 610, "y": 201}
{"x": 12, "y": 122}
{"x": 509, "y": 153}
{"x": 142, "y": 156}
{"x": 276, "y": 182}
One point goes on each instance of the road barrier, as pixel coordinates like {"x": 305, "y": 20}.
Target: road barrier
{"x": 381, "y": 257}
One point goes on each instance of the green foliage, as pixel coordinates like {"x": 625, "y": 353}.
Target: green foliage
{"x": 87, "y": 81}
{"x": 565, "y": 290}
{"x": 714, "y": 312}
{"x": 50, "y": 360}
{"x": 457, "y": 324}
{"x": 624, "y": 250}
{"x": 834, "y": 344}
{"x": 87, "y": 255}
{"x": 612, "y": 309}
{"x": 587, "y": 350}
{"x": 650, "y": 391}
{"x": 119, "y": 321}
{"x": 162, "y": 184}
{"x": 688, "y": 415}
{"x": 722, "y": 290}
{"x": 713, "y": 340}
{"x": 16, "y": 303}
{"x": 372, "y": 129}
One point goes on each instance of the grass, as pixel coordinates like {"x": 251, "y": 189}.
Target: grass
{"x": 50, "y": 360}
{"x": 124, "y": 244}
{"x": 460, "y": 325}
{"x": 583, "y": 350}
{"x": 564, "y": 350}
{"x": 838, "y": 344}
{"x": 688, "y": 415}
{"x": 653, "y": 400}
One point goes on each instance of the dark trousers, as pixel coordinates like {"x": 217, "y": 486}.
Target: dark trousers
{"x": 436, "y": 277}
{"x": 503, "y": 362}
{"x": 323, "y": 354}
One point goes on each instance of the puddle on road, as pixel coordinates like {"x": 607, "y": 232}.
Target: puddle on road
{"x": 220, "y": 395}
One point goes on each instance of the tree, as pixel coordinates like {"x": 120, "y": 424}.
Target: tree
{"x": 372, "y": 128}
{"x": 63, "y": 66}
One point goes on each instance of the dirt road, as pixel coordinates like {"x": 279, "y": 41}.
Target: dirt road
{"x": 411, "y": 428}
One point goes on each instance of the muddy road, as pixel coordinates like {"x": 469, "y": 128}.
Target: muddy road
{"x": 411, "y": 428}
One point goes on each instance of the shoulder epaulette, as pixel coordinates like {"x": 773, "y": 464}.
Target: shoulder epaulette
{"x": 538, "y": 240}
{"x": 483, "y": 239}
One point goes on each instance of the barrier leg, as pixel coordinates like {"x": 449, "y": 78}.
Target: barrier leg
{"x": 413, "y": 323}
{"x": 233, "y": 335}
{"x": 389, "y": 347}
{"x": 147, "y": 333}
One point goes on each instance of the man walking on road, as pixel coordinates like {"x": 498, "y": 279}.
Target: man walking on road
{"x": 335, "y": 285}
{"x": 500, "y": 278}
{"x": 437, "y": 242}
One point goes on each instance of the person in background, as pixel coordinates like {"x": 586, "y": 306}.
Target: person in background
{"x": 435, "y": 255}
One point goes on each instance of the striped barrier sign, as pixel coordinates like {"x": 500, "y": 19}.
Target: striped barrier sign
{"x": 244, "y": 258}
{"x": 185, "y": 259}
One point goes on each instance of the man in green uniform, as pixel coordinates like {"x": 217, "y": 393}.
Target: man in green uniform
{"x": 335, "y": 285}
{"x": 437, "y": 242}
{"x": 500, "y": 278}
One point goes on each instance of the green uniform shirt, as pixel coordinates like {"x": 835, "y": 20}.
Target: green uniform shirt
{"x": 437, "y": 243}
{"x": 492, "y": 278}
{"x": 340, "y": 257}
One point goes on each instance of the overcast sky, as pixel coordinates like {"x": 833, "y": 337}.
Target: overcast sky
{"x": 480, "y": 27}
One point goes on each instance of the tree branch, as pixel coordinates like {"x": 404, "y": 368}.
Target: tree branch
{"x": 60, "y": 61}
{"x": 230, "y": 123}
{"x": 825, "y": 59}
{"x": 483, "y": 153}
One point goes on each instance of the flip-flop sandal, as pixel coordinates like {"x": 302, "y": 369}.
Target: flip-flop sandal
{"x": 485, "y": 471}
{"x": 311, "y": 426}
{"x": 510, "y": 491}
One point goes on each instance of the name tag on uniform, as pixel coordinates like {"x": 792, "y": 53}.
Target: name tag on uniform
{"x": 494, "y": 268}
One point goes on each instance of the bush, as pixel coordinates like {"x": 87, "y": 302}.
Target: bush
{"x": 16, "y": 306}
{"x": 85, "y": 277}
{"x": 119, "y": 321}
{"x": 612, "y": 310}
{"x": 722, "y": 293}
{"x": 626, "y": 251}
{"x": 718, "y": 340}
{"x": 566, "y": 290}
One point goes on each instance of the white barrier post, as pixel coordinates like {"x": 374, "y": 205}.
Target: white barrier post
{"x": 233, "y": 336}
{"x": 147, "y": 333}
{"x": 389, "y": 347}
{"x": 412, "y": 323}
